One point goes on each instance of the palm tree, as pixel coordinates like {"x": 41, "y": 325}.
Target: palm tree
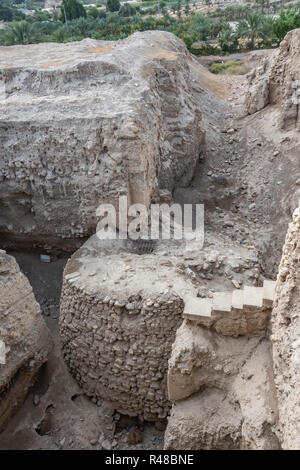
{"x": 252, "y": 27}
{"x": 178, "y": 8}
{"x": 21, "y": 33}
{"x": 226, "y": 38}
{"x": 262, "y": 4}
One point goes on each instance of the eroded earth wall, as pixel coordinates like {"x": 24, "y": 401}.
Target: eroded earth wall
{"x": 25, "y": 341}
{"x": 84, "y": 123}
{"x": 277, "y": 82}
{"x": 286, "y": 340}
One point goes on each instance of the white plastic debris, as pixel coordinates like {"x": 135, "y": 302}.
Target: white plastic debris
{"x": 2, "y": 352}
{"x": 45, "y": 258}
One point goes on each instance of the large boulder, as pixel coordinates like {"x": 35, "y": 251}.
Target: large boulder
{"x": 83, "y": 122}
{"x": 25, "y": 341}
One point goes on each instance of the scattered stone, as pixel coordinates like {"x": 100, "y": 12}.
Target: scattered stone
{"x": 236, "y": 283}
{"x": 231, "y": 131}
{"x": 134, "y": 436}
{"x": 36, "y": 400}
{"x": 106, "y": 445}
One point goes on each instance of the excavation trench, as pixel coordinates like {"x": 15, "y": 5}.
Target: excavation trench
{"x": 51, "y": 405}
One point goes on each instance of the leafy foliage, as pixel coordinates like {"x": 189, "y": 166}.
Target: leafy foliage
{"x": 213, "y": 33}
{"x": 113, "y": 5}
{"x": 230, "y": 67}
{"x": 72, "y": 9}
{"x": 286, "y": 22}
{"x": 20, "y": 33}
{"x": 127, "y": 10}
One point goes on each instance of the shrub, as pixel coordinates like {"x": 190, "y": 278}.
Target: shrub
{"x": 72, "y": 9}
{"x": 113, "y": 5}
{"x": 228, "y": 68}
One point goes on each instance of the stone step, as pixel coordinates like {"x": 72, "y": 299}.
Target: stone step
{"x": 253, "y": 297}
{"x": 238, "y": 299}
{"x": 222, "y": 302}
{"x": 268, "y": 292}
{"x": 197, "y": 307}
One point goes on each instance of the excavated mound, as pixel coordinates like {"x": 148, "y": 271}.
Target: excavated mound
{"x": 82, "y": 123}
{"x": 87, "y": 124}
{"x": 117, "y": 327}
{"x": 25, "y": 341}
{"x": 120, "y": 312}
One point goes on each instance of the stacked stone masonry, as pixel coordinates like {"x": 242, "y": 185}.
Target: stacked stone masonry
{"x": 119, "y": 351}
{"x": 119, "y": 316}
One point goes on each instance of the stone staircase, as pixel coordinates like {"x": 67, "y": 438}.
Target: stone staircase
{"x": 246, "y": 309}
{"x": 245, "y": 312}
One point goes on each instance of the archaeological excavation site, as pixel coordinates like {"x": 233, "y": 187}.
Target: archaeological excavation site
{"x": 150, "y": 343}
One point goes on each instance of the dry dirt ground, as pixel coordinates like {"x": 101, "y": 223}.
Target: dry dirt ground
{"x": 243, "y": 184}
{"x": 249, "y": 181}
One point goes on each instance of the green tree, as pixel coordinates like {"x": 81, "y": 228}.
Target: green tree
{"x": 9, "y": 13}
{"x": 80, "y": 27}
{"x": 60, "y": 35}
{"x": 41, "y": 16}
{"x": 200, "y": 28}
{"x": 93, "y": 12}
{"x": 113, "y": 5}
{"x": 262, "y": 4}
{"x": 226, "y": 39}
{"x": 285, "y": 23}
{"x": 252, "y": 28}
{"x": 178, "y": 8}
{"x": 20, "y": 33}
{"x": 127, "y": 10}
{"x": 6, "y": 14}
{"x": 72, "y": 9}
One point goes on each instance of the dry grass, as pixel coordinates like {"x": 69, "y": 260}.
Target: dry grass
{"x": 228, "y": 68}
{"x": 53, "y": 63}
{"x": 158, "y": 53}
{"x": 211, "y": 82}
